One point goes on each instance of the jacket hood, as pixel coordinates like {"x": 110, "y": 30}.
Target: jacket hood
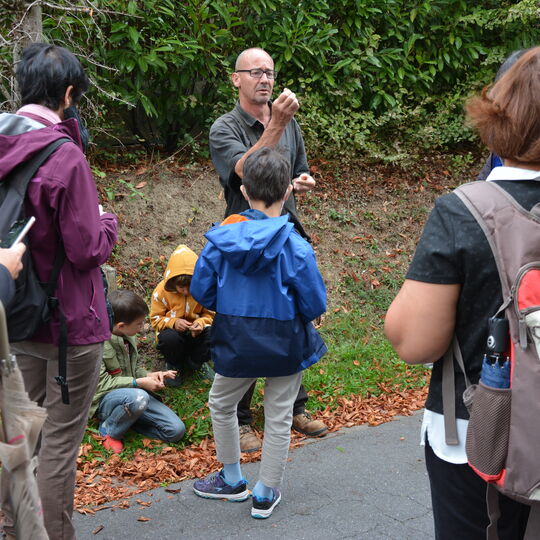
{"x": 22, "y": 137}
{"x": 181, "y": 262}
{"x": 251, "y": 245}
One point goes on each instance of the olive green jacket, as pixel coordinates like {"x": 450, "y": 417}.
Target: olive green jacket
{"x": 118, "y": 367}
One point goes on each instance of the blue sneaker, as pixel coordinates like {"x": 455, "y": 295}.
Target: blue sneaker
{"x": 215, "y": 487}
{"x": 263, "y": 508}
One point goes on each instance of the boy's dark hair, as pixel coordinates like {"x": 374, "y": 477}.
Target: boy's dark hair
{"x": 127, "y": 306}
{"x": 183, "y": 280}
{"x": 267, "y": 174}
{"x": 44, "y": 73}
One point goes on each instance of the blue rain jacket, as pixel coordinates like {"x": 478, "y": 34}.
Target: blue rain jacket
{"x": 262, "y": 280}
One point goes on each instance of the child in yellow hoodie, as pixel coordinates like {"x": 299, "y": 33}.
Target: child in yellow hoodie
{"x": 181, "y": 323}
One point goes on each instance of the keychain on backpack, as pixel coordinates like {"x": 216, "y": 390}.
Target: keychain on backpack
{"x": 496, "y": 363}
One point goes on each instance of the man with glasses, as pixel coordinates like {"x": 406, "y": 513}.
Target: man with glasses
{"x": 256, "y": 122}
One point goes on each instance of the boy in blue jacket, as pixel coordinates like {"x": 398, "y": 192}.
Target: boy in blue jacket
{"x": 261, "y": 278}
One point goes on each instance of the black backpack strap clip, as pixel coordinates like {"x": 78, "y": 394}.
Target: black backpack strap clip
{"x": 54, "y": 305}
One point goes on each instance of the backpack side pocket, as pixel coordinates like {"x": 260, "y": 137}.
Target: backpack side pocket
{"x": 488, "y": 431}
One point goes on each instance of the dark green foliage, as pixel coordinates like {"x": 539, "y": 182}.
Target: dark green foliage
{"x": 369, "y": 73}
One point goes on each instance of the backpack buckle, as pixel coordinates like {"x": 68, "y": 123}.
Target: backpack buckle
{"x": 62, "y": 382}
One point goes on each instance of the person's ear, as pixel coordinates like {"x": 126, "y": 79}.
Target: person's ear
{"x": 68, "y": 100}
{"x": 244, "y": 192}
{"x": 288, "y": 192}
{"x": 119, "y": 327}
{"x": 235, "y": 78}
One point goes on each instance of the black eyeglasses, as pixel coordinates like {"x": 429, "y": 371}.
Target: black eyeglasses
{"x": 258, "y": 73}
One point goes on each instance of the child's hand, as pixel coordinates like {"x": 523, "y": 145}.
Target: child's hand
{"x": 170, "y": 374}
{"x": 150, "y": 383}
{"x": 157, "y": 375}
{"x": 196, "y": 329}
{"x": 160, "y": 376}
{"x": 181, "y": 325}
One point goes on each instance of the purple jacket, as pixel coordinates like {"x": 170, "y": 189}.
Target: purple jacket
{"x": 63, "y": 198}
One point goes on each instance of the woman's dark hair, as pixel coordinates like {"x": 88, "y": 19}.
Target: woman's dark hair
{"x": 507, "y": 114}
{"x": 127, "y": 306}
{"x": 267, "y": 174}
{"x": 44, "y": 73}
{"x": 183, "y": 280}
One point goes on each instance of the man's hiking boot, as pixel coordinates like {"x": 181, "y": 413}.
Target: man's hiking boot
{"x": 263, "y": 508}
{"x": 215, "y": 487}
{"x": 305, "y": 424}
{"x": 249, "y": 442}
{"x": 114, "y": 445}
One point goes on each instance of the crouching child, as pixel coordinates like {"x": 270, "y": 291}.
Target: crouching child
{"x": 182, "y": 325}
{"x": 261, "y": 278}
{"x": 125, "y": 397}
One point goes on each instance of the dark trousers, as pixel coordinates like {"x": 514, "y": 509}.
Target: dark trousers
{"x": 458, "y": 497}
{"x": 244, "y": 406}
{"x": 184, "y": 351}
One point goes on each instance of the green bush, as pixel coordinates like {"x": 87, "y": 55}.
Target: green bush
{"x": 372, "y": 75}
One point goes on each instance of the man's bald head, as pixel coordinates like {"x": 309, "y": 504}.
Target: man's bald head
{"x": 245, "y": 56}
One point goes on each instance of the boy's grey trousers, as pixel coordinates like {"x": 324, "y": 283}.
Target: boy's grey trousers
{"x": 279, "y": 396}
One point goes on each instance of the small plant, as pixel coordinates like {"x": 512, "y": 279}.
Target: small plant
{"x": 133, "y": 191}
{"x": 460, "y": 164}
{"x": 98, "y": 172}
{"x": 341, "y": 217}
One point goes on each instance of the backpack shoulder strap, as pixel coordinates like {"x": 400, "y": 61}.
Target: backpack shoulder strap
{"x": 22, "y": 175}
{"x": 449, "y": 392}
{"x": 18, "y": 183}
{"x": 495, "y": 209}
{"x": 483, "y": 192}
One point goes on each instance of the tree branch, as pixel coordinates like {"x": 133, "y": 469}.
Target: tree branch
{"x": 89, "y": 10}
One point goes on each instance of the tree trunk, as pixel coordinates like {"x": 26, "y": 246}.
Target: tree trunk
{"x": 29, "y": 31}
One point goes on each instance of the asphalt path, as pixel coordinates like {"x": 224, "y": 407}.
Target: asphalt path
{"x": 362, "y": 482}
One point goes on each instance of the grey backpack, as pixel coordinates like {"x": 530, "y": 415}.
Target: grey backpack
{"x": 503, "y": 436}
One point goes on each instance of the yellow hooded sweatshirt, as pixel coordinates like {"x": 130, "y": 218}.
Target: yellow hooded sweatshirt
{"x": 167, "y": 306}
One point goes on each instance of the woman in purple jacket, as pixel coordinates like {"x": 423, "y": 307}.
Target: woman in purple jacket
{"x": 63, "y": 198}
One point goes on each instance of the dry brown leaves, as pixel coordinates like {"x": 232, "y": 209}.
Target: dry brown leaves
{"x": 117, "y": 480}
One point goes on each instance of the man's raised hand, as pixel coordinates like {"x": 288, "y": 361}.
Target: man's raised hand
{"x": 284, "y": 107}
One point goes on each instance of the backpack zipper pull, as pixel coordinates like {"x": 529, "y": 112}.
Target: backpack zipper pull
{"x": 522, "y": 333}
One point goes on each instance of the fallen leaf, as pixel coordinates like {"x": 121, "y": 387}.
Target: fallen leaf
{"x": 98, "y": 529}
{"x": 140, "y": 185}
{"x": 142, "y": 518}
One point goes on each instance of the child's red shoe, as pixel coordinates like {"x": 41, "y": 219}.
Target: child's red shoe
{"x": 114, "y": 445}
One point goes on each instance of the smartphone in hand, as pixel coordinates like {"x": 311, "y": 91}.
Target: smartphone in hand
{"x": 17, "y": 232}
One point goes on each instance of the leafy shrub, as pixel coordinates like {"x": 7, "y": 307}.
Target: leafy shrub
{"x": 371, "y": 75}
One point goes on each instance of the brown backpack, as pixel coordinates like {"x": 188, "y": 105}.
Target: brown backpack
{"x": 503, "y": 436}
